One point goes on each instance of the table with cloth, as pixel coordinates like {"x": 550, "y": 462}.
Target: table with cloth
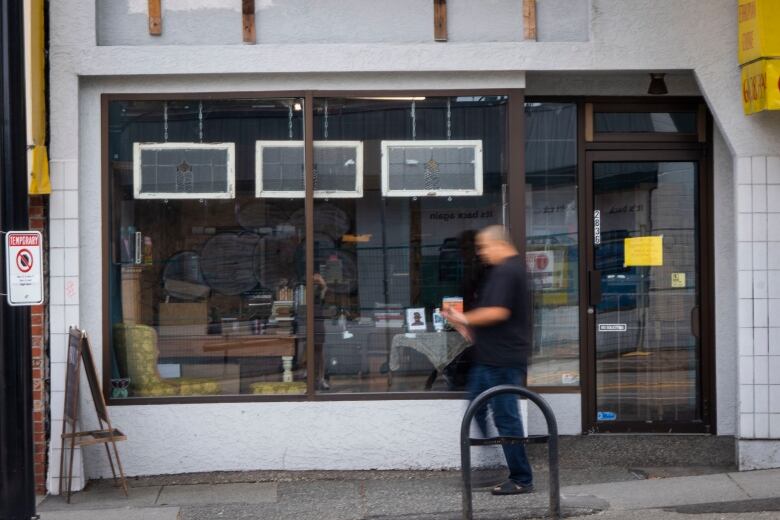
{"x": 439, "y": 347}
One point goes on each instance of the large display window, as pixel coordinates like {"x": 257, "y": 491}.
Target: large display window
{"x": 552, "y": 241}
{"x": 227, "y": 275}
{"x": 434, "y": 174}
{"x": 204, "y": 280}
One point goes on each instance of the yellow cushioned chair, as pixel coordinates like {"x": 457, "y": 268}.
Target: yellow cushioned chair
{"x": 137, "y": 355}
{"x": 278, "y": 387}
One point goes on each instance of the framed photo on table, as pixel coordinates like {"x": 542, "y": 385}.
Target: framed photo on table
{"x": 415, "y": 319}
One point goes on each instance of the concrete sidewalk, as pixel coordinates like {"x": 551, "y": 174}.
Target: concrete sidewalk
{"x": 599, "y": 494}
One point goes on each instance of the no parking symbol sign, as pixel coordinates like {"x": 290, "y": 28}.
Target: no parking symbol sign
{"x": 24, "y": 272}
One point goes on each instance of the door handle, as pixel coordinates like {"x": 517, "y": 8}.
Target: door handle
{"x": 695, "y": 321}
{"x": 594, "y": 287}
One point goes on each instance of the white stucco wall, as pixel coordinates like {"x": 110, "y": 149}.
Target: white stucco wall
{"x": 347, "y": 435}
{"x": 725, "y": 251}
{"x": 218, "y": 22}
{"x": 692, "y": 39}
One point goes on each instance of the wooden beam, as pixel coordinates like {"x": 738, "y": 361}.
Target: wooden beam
{"x": 440, "y": 20}
{"x": 248, "y": 20}
{"x": 529, "y": 19}
{"x": 155, "y": 18}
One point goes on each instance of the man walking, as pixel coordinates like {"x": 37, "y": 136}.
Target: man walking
{"x": 499, "y": 327}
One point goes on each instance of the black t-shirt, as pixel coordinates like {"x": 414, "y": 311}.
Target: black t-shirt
{"x": 508, "y": 343}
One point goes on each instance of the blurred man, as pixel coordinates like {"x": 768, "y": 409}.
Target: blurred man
{"x": 499, "y": 327}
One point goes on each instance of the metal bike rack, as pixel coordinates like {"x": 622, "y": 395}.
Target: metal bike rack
{"x": 551, "y": 439}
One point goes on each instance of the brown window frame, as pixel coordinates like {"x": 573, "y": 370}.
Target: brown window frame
{"x": 516, "y": 187}
{"x": 594, "y": 106}
{"x": 700, "y": 145}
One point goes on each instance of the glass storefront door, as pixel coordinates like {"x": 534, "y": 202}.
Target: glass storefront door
{"x": 644, "y": 294}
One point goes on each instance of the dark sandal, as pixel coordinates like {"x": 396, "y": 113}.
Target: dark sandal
{"x": 510, "y": 487}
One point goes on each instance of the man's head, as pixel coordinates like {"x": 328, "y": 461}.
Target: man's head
{"x": 494, "y": 245}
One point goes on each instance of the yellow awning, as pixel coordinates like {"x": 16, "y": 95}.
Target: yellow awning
{"x": 39, "y": 163}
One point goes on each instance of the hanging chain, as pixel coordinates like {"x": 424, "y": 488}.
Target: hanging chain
{"x": 449, "y": 120}
{"x": 200, "y": 120}
{"x": 289, "y": 122}
{"x": 414, "y": 121}
{"x": 165, "y": 121}
{"x": 326, "y": 119}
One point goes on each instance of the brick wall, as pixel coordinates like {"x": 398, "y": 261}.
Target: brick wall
{"x": 40, "y": 368}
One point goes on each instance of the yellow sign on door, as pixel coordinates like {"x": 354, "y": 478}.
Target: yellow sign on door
{"x": 678, "y": 280}
{"x": 643, "y": 251}
{"x": 758, "y": 34}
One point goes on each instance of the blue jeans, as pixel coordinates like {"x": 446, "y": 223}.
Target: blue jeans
{"x": 505, "y": 415}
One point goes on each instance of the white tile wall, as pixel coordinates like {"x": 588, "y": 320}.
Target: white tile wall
{"x": 56, "y": 232}
{"x": 773, "y": 255}
{"x": 773, "y": 220}
{"x": 758, "y": 172}
{"x": 774, "y": 341}
{"x": 773, "y": 170}
{"x": 760, "y": 371}
{"x": 760, "y": 316}
{"x": 761, "y": 425}
{"x": 745, "y": 341}
{"x": 760, "y": 255}
{"x": 760, "y": 341}
{"x": 744, "y": 170}
{"x": 774, "y": 425}
{"x": 760, "y": 398}
{"x": 772, "y": 198}
{"x": 746, "y": 425}
{"x": 63, "y": 300}
{"x": 745, "y": 256}
{"x": 759, "y": 284}
{"x": 759, "y": 226}
{"x": 744, "y": 227}
{"x": 774, "y": 312}
{"x": 746, "y": 398}
{"x": 758, "y": 278}
{"x": 745, "y": 313}
{"x": 71, "y": 261}
{"x": 773, "y": 284}
{"x": 759, "y": 199}
{"x": 774, "y": 398}
{"x": 746, "y": 370}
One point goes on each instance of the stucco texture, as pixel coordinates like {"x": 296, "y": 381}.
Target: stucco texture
{"x": 694, "y": 41}
{"x": 290, "y": 436}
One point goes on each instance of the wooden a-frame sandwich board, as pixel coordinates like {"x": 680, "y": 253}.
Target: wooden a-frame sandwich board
{"x": 79, "y": 351}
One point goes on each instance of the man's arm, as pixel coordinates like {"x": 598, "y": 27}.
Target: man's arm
{"x": 480, "y": 317}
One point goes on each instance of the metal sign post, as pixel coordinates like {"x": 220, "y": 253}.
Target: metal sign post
{"x": 17, "y": 483}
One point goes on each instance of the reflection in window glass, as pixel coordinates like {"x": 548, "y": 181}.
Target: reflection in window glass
{"x": 205, "y": 293}
{"x": 383, "y": 265}
{"x": 552, "y": 241}
{"x": 645, "y": 122}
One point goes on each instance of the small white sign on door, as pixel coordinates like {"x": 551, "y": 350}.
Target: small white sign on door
{"x": 612, "y": 327}
{"x": 24, "y": 267}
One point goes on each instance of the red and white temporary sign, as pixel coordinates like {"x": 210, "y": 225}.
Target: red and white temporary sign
{"x": 24, "y": 267}
{"x": 541, "y": 265}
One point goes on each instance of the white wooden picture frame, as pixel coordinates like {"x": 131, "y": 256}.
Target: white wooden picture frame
{"x": 389, "y": 146}
{"x": 230, "y": 171}
{"x": 261, "y": 191}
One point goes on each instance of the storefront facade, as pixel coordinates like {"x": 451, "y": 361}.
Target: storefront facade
{"x": 257, "y": 237}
